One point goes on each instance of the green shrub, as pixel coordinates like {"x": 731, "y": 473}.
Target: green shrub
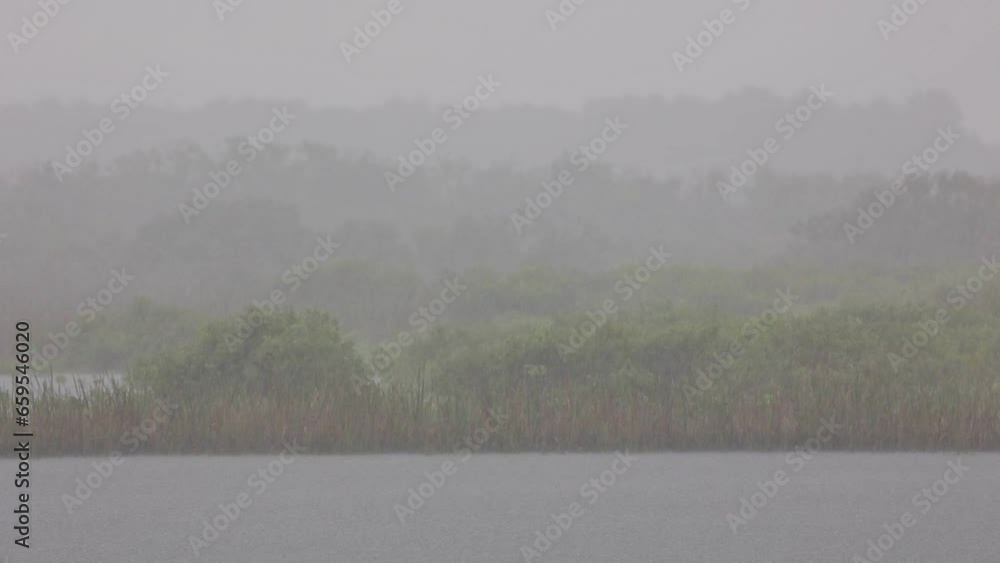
{"x": 288, "y": 353}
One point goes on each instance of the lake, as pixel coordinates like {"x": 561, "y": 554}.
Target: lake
{"x": 492, "y": 508}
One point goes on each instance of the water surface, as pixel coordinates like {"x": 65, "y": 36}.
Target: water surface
{"x": 664, "y": 507}
{"x": 69, "y": 383}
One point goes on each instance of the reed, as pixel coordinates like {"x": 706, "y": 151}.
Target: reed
{"x": 395, "y": 419}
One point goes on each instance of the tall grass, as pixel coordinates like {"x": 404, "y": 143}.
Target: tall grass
{"x": 560, "y": 418}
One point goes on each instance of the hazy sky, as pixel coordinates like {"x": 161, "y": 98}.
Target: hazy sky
{"x": 436, "y": 49}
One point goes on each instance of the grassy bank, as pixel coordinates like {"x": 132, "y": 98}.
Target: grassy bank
{"x": 555, "y": 419}
{"x": 650, "y": 376}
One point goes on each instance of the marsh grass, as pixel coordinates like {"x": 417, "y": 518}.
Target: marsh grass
{"x": 591, "y": 418}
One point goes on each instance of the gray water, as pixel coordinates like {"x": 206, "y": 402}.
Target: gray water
{"x": 664, "y": 507}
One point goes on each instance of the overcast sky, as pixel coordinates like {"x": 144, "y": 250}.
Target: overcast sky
{"x": 436, "y": 49}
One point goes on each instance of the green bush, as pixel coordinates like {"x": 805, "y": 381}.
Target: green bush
{"x": 288, "y": 353}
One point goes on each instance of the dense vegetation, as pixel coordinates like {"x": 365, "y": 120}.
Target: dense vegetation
{"x": 654, "y": 375}
{"x": 765, "y": 316}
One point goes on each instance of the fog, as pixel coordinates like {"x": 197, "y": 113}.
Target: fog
{"x": 353, "y": 234}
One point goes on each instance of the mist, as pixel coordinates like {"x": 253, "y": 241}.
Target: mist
{"x": 452, "y": 281}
